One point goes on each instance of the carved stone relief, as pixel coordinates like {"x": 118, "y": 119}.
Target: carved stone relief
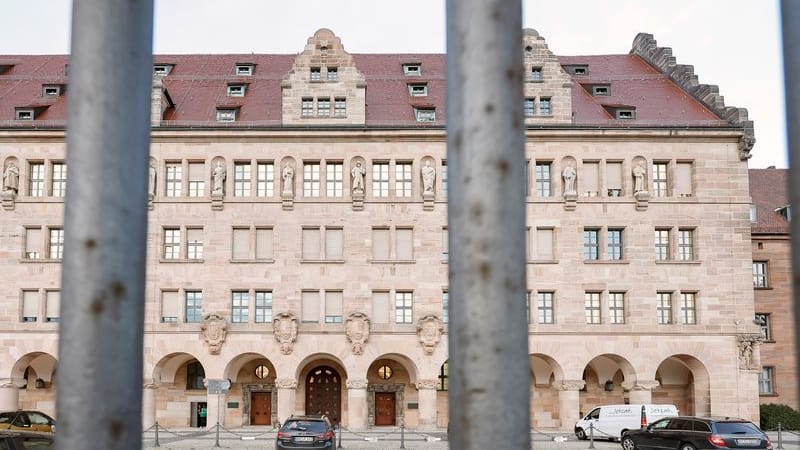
{"x": 214, "y": 329}
{"x": 426, "y": 384}
{"x": 286, "y": 383}
{"x": 429, "y": 332}
{"x": 747, "y": 346}
{"x": 640, "y": 385}
{"x": 570, "y": 385}
{"x": 356, "y": 384}
{"x": 357, "y": 327}
{"x": 285, "y": 329}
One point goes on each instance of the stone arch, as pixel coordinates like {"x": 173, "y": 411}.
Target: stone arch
{"x": 252, "y": 378}
{"x": 35, "y": 375}
{"x": 546, "y": 378}
{"x": 170, "y": 375}
{"x": 392, "y": 377}
{"x": 308, "y": 365}
{"x": 684, "y": 382}
{"x": 604, "y": 376}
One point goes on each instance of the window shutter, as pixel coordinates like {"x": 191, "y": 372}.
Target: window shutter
{"x": 589, "y": 178}
{"x": 445, "y": 245}
{"x": 310, "y": 307}
{"x": 380, "y": 243}
{"x": 333, "y": 303}
{"x": 334, "y": 243}
{"x": 170, "y": 304}
{"x": 311, "y": 243}
{"x": 380, "y": 307}
{"x": 34, "y": 247}
{"x": 194, "y": 235}
{"x": 614, "y": 175}
{"x": 264, "y": 243}
{"x": 405, "y": 244}
{"x": 197, "y": 172}
{"x": 241, "y": 243}
{"x": 53, "y": 304}
{"x": 30, "y": 303}
{"x": 544, "y": 243}
{"x": 683, "y": 179}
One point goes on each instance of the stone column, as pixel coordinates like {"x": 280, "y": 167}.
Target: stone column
{"x": 286, "y": 396}
{"x": 357, "y": 404}
{"x": 569, "y": 404}
{"x": 640, "y": 391}
{"x": 149, "y": 405}
{"x": 9, "y": 394}
{"x": 427, "y": 404}
{"x": 216, "y": 408}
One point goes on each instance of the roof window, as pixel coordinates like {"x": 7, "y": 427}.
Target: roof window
{"x": 412, "y": 69}
{"x": 625, "y": 114}
{"x": 425, "y": 114}
{"x": 24, "y": 114}
{"x": 236, "y": 90}
{"x": 785, "y": 211}
{"x": 226, "y": 115}
{"x": 418, "y": 90}
{"x": 601, "y": 89}
{"x": 51, "y": 90}
{"x": 162, "y": 69}
{"x": 577, "y": 69}
{"x": 244, "y": 69}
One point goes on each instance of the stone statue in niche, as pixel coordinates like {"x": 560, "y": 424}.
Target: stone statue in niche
{"x": 639, "y": 173}
{"x": 218, "y": 179}
{"x": 358, "y": 173}
{"x": 569, "y": 175}
{"x": 214, "y": 329}
{"x": 285, "y": 329}
{"x": 151, "y": 180}
{"x": 428, "y": 177}
{"x": 288, "y": 179}
{"x": 429, "y": 332}
{"x": 357, "y": 331}
{"x": 11, "y": 178}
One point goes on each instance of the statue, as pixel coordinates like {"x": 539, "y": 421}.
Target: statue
{"x": 428, "y": 177}
{"x": 358, "y": 173}
{"x": 288, "y": 179}
{"x": 569, "y": 175}
{"x": 151, "y": 180}
{"x": 11, "y": 178}
{"x": 638, "y": 177}
{"x": 219, "y": 179}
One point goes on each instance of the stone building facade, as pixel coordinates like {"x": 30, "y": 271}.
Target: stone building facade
{"x": 298, "y": 244}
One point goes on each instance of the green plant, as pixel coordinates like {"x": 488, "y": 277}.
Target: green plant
{"x": 772, "y": 414}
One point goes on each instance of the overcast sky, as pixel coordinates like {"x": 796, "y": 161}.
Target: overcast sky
{"x": 734, "y": 44}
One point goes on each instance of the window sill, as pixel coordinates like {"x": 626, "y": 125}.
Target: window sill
{"x": 392, "y": 261}
{"x": 322, "y": 261}
{"x": 764, "y": 288}
{"x": 183, "y": 260}
{"x": 542, "y": 261}
{"x": 252, "y": 261}
{"x": 42, "y": 260}
{"x": 534, "y": 81}
{"x": 694, "y": 262}
{"x": 771, "y": 341}
{"x": 772, "y": 394}
{"x": 606, "y": 261}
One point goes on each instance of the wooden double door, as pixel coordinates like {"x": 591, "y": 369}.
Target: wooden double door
{"x": 385, "y": 403}
{"x": 261, "y": 408}
{"x": 324, "y": 393}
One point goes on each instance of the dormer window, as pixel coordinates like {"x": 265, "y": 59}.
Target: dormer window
{"x": 244, "y": 70}
{"x": 333, "y": 73}
{"x": 536, "y": 74}
{"x": 626, "y": 114}
{"x": 785, "y": 211}
{"x": 24, "y": 114}
{"x": 226, "y": 115}
{"x": 418, "y": 90}
{"x": 236, "y": 90}
{"x": 602, "y": 90}
{"x": 412, "y": 70}
{"x": 577, "y": 69}
{"x": 50, "y": 90}
{"x": 425, "y": 114}
{"x": 162, "y": 69}
{"x": 316, "y": 74}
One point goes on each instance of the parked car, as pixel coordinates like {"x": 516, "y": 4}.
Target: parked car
{"x": 696, "y": 433}
{"x": 611, "y": 421}
{"x": 23, "y": 440}
{"x": 22, "y": 420}
{"x": 306, "y": 432}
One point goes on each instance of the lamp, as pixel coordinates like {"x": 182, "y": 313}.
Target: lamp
{"x": 609, "y": 386}
{"x": 39, "y": 383}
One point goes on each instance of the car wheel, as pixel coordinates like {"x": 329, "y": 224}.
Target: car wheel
{"x": 581, "y": 435}
{"x": 686, "y": 446}
{"x": 628, "y": 444}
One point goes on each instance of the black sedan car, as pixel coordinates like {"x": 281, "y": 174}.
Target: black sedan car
{"x": 696, "y": 433}
{"x": 306, "y": 432}
{"x": 23, "y": 440}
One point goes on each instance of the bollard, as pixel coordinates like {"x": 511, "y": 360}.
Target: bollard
{"x": 157, "y": 444}
{"x": 780, "y": 438}
{"x": 216, "y": 439}
{"x": 340, "y": 436}
{"x": 591, "y": 435}
{"x": 402, "y": 435}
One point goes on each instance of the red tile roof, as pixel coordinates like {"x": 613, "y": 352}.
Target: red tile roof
{"x": 197, "y": 85}
{"x": 769, "y": 191}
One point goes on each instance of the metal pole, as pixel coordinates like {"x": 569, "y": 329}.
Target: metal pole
{"x": 108, "y": 140}
{"x": 488, "y": 341}
{"x": 591, "y": 435}
{"x": 780, "y": 438}
{"x": 157, "y": 443}
{"x": 340, "y": 436}
{"x": 216, "y": 441}
{"x": 790, "y": 21}
{"x": 402, "y": 435}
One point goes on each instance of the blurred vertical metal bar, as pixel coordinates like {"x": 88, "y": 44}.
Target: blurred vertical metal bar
{"x": 489, "y": 368}
{"x": 790, "y": 21}
{"x": 99, "y": 399}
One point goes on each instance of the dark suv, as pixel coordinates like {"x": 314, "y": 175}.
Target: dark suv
{"x": 694, "y": 433}
{"x": 305, "y": 432}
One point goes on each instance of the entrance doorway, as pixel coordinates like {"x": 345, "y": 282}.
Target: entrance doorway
{"x": 384, "y": 409}
{"x": 198, "y": 414}
{"x": 324, "y": 393}
{"x": 261, "y": 408}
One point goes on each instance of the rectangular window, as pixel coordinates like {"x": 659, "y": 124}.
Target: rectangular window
{"x": 307, "y": 107}
{"x": 58, "y": 186}
{"x": 52, "y": 306}
{"x": 310, "y": 306}
{"x": 445, "y": 306}
{"x": 34, "y": 243}
{"x": 174, "y": 179}
{"x": 323, "y": 106}
{"x": 265, "y": 179}
{"x": 766, "y": 381}
{"x": 760, "y": 274}
{"x": 170, "y": 306}
{"x": 614, "y": 244}
{"x": 405, "y": 244}
{"x": 380, "y": 179}
{"x": 334, "y": 177}
{"x": 536, "y": 74}
{"x": 263, "y": 306}
{"x": 444, "y": 179}
{"x": 445, "y": 245}
{"x": 241, "y": 244}
{"x": 591, "y": 179}
{"x": 264, "y": 238}
{"x": 226, "y": 115}
{"x": 403, "y": 303}
{"x": 236, "y": 90}
{"x": 664, "y": 307}
{"x": 340, "y": 107}
{"x": 529, "y": 107}
{"x": 380, "y": 307}
{"x": 316, "y": 74}
{"x": 659, "y": 179}
{"x": 242, "y": 177}
{"x": 172, "y": 243}
{"x": 412, "y": 69}
{"x": 30, "y": 306}
{"x": 333, "y": 73}
{"x": 402, "y": 179}
{"x": 333, "y": 307}
{"x": 544, "y": 106}
{"x": 310, "y": 179}
{"x": 601, "y": 90}
{"x": 197, "y": 176}
{"x": 193, "y": 306}
{"x": 614, "y": 179}
{"x": 544, "y": 307}
{"x": 311, "y": 244}
{"x": 544, "y": 180}
{"x": 544, "y": 244}
{"x": 194, "y": 243}
{"x": 683, "y": 179}
{"x": 616, "y": 307}
{"x": 688, "y": 308}
{"x": 425, "y": 114}
{"x": 36, "y": 179}
{"x": 662, "y": 244}
{"x": 764, "y": 321}
{"x": 686, "y": 244}
{"x": 334, "y": 244}
{"x": 56, "y": 243}
{"x": 244, "y": 69}
{"x": 592, "y": 306}
{"x": 241, "y": 306}
{"x": 380, "y": 244}
{"x": 418, "y": 90}
{"x": 590, "y": 244}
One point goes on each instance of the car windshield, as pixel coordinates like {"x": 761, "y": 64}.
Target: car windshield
{"x": 313, "y": 426}
{"x": 737, "y": 428}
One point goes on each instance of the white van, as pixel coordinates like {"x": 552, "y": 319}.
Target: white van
{"x": 610, "y": 421}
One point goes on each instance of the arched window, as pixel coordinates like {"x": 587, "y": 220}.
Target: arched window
{"x": 195, "y": 374}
